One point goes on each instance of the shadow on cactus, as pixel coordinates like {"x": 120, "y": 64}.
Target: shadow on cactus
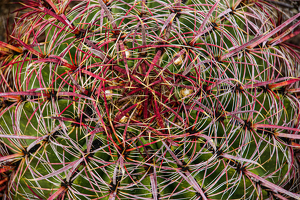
{"x": 150, "y": 100}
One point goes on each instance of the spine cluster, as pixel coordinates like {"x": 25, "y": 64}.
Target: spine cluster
{"x": 150, "y": 99}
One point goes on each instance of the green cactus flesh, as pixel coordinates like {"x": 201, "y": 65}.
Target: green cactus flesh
{"x": 160, "y": 99}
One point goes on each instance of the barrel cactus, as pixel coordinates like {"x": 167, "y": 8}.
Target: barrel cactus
{"x": 150, "y": 99}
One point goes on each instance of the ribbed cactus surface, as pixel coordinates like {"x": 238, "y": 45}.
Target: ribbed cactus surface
{"x": 150, "y": 99}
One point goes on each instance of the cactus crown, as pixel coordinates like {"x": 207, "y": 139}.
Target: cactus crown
{"x": 150, "y": 99}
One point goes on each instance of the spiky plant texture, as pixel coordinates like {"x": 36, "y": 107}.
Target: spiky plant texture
{"x": 150, "y": 99}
